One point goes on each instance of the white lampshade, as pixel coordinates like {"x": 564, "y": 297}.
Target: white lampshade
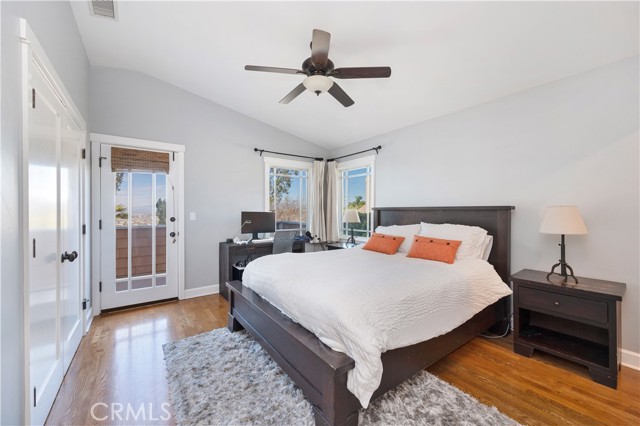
{"x": 563, "y": 220}
{"x": 317, "y": 83}
{"x": 351, "y": 216}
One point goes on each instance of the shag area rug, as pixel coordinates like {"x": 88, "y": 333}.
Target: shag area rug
{"x": 224, "y": 378}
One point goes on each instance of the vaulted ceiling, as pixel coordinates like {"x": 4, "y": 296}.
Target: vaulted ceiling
{"x": 444, "y": 56}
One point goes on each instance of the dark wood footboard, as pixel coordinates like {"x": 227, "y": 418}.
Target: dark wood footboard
{"x": 320, "y": 372}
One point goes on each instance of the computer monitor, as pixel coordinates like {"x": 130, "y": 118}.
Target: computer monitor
{"x": 257, "y": 222}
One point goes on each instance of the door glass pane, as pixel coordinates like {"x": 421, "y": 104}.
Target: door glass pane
{"x": 142, "y": 206}
{"x": 141, "y": 283}
{"x": 161, "y": 223}
{"x": 122, "y": 225}
{"x": 122, "y": 285}
{"x": 161, "y": 280}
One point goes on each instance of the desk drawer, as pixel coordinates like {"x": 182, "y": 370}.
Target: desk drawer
{"x": 568, "y": 305}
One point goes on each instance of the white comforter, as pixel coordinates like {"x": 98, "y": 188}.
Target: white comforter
{"x": 364, "y": 303}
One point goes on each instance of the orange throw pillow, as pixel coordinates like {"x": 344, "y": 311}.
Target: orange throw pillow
{"x": 387, "y": 244}
{"x": 434, "y": 249}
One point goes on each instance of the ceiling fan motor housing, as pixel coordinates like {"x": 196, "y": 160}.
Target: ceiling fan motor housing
{"x": 310, "y": 69}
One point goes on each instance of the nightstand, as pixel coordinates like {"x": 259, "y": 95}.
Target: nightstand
{"x": 339, "y": 246}
{"x": 579, "y": 322}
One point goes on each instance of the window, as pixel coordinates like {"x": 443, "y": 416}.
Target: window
{"x": 356, "y": 192}
{"x": 287, "y": 192}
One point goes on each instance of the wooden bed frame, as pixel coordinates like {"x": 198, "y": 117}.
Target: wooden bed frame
{"x": 320, "y": 372}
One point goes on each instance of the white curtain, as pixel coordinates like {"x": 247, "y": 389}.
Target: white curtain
{"x": 316, "y": 202}
{"x": 333, "y": 217}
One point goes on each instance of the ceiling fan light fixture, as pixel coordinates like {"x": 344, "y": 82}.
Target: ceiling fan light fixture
{"x": 317, "y": 83}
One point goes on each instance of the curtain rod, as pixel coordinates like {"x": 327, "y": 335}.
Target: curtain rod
{"x": 284, "y": 153}
{"x": 376, "y": 149}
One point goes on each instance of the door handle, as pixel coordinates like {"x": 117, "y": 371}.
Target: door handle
{"x": 69, "y": 256}
{"x": 172, "y": 234}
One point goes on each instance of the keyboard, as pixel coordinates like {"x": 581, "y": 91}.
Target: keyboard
{"x": 264, "y": 240}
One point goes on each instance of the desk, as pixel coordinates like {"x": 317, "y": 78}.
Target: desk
{"x": 230, "y": 253}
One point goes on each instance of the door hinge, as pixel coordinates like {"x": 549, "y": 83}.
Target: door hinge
{"x": 174, "y": 156}
{"x": 84, "y": 304}
{"x": 100, "y": 224}
{"x": 34, "y": 396}
{"x": 100, "y": 287}
{"x": 84, "y": 153}
{"x": 84, "y": 229}
{"x": 33, "y": 98}
{"x": 34, "y": 248}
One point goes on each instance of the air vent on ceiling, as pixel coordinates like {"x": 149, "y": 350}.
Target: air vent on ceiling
{"x": 104, "y": 8}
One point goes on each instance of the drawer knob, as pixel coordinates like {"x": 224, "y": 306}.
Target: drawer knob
{"x": 556, "y": 303}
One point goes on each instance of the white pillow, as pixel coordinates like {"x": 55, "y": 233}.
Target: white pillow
{"x": 472, "y": 237}
{"x": 406, "y": 231}
{"x": 488, "y": 244}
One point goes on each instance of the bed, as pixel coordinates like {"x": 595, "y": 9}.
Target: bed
{"x": 322, "y": 373}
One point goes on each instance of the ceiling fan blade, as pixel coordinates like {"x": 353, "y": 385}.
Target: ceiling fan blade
{"x": 272, "y": 69}
{"x": 363, "y": 72}
{"x": 293, "y": 94}
{"x": 320, "y": 48}
{"x": 342, "y": 97}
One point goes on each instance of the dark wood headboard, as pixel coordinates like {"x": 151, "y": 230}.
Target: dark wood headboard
{"x": 496, "y": 220}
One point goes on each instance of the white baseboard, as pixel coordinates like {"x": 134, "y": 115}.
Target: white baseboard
{"x": 206, "y": 290}
{"x": 630, "y": 359}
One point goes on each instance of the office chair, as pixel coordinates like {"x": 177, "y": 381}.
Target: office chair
{"x": 283, "y": 241}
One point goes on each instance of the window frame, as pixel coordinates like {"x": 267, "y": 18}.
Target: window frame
{"x": 358, "y": 163}
{"x": 284, "y": 163}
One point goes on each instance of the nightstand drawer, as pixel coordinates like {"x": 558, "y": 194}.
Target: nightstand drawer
{"x": 568, "y": 305}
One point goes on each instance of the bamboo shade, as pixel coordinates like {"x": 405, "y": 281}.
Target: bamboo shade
{"x": 136, "y": 160}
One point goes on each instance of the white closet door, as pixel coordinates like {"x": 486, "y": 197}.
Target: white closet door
{"x": 70, "y": 269}
{"x": 45, "y": 357}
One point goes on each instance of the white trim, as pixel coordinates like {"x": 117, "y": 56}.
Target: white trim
{"x": 367, "y": 161}
{"x": 288, "y": 164}
{"x": 206, "y": 290}
{"x": 98, "y": 139}
{"x": 136, "y": 143}
{"x": 40, "y": 57}
{"x": 630, "y": 359}
{"x": 95, "y": 230}
{"x": 181, "y": 245}
{"x": 88, "y": 318}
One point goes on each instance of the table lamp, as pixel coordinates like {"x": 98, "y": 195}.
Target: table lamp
{"x": 351, "y": 216}
{"x": 563, "y": 220}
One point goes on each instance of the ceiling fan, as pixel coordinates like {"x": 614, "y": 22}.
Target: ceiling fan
{"x": 318, "y": 68}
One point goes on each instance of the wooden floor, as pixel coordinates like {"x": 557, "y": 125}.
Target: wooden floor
{"x": 120, "y": 364}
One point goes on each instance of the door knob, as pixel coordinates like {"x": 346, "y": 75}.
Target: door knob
{"x": 172, "y": 234}
{"x": 69, "y": 256}
{"x": 172, "y": 219}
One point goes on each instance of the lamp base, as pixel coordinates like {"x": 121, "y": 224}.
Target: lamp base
{"x": 563, "y": 271}
{"x": 351, "y": 239}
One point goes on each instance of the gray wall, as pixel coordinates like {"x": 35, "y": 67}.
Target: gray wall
{"x": 574, "y": 141}
{"x": 54, "y": 25}
{"x": 223, "y": 176}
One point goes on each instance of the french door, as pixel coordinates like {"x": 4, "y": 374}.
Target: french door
{"x": 53, "y": 153}
{"x": 138, "y": 238}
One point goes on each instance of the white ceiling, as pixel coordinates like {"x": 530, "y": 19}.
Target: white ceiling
{"x": 444, "y": 56}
